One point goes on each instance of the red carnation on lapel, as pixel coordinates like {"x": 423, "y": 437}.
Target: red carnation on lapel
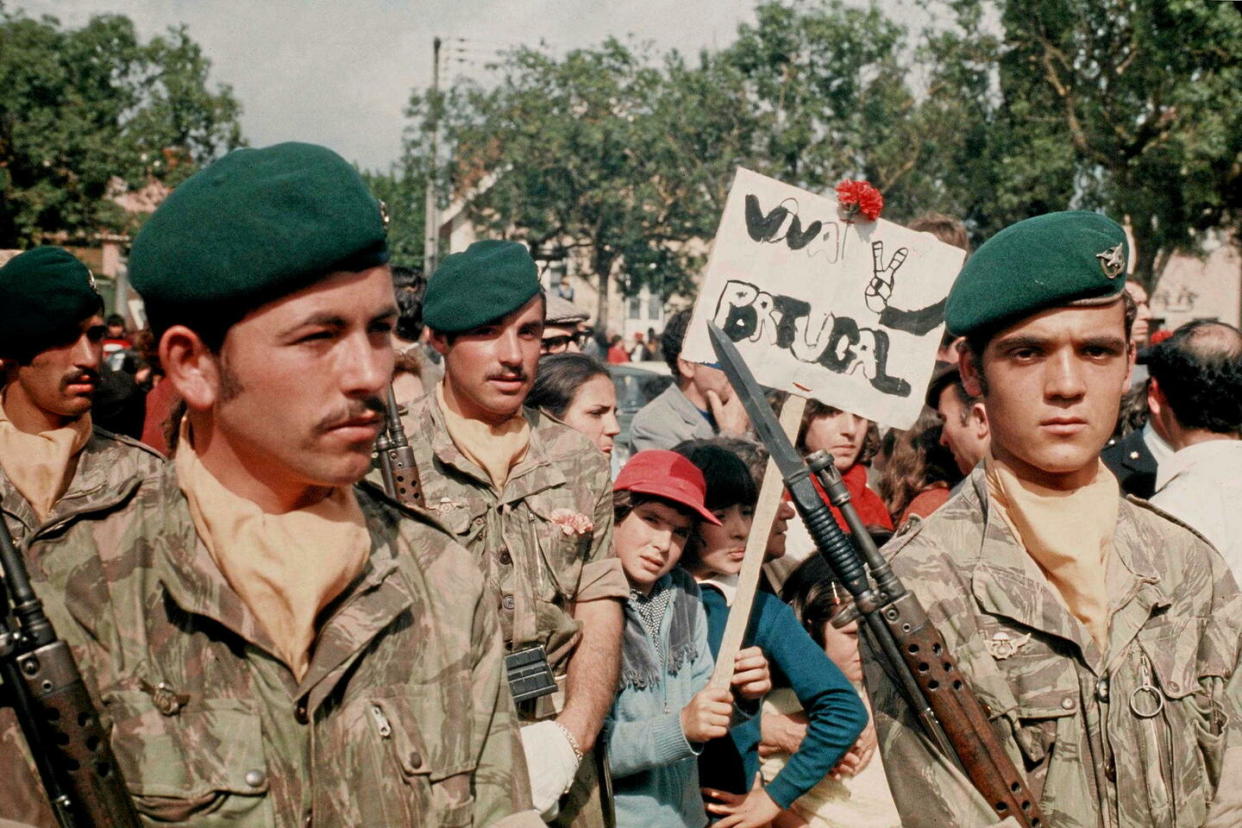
{"x": 855, "y": 197}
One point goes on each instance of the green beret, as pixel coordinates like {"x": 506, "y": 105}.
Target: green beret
{"x": 1043, "y": 262}
{"x": 45, "y": 295}
{"x": 253, "y": 226}
{"x": 490, "y": 279}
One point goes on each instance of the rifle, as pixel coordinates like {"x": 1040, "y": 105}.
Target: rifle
{"x": 910, "y": 646}
{"x": 72, "y": 753}
{"x": 396, "y": 458}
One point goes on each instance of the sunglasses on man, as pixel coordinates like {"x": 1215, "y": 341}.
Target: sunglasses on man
{"x": 560, "y": 343}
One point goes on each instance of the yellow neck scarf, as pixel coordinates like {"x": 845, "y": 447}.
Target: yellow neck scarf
{"x": 285, "y": 567}
{"x": 40, "y": 465}
{"x": 495, "y": 449}
{"x": 1069, "y": 534}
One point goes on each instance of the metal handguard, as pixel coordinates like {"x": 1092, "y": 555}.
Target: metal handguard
{"x": 396, "y": 458}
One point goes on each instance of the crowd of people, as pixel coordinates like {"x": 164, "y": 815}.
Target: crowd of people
{"x": 525, "y": 638}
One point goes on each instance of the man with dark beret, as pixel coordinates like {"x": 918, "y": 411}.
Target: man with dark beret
{"x": 274, "y": 644}
{"x": 532, "y": 500}
{"x": 1102, "y": 637}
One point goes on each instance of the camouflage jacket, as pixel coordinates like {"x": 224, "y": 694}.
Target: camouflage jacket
{"x": 1143, "y": 734}
{"x": 544, "y": 542}
{"x": 401, "y": 719}
{"x": 109, "y": 470}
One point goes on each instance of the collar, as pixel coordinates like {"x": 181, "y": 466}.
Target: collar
{"x": 1160, "y": 449}
{"x": 1207, "y": 453}
{"x": 726, "y": 584}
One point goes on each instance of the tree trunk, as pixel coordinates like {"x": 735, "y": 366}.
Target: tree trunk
{"x": 601, "y": 305}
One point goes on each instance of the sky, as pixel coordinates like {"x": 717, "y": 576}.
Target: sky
{"x": 339, "y": 72}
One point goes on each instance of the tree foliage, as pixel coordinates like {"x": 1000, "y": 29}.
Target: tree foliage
{"x": 81, "y": 108}
{"x": 995, "y": 111}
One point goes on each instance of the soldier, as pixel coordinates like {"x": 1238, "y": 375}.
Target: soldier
{"x": 273, "y": 645}
{"x": 532, "y": 499}
{"x": 1102, "y": 636}
{"x": 56, "y": 467}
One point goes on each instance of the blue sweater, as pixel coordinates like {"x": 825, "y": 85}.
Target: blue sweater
{"x": 836, "y": 714}
{"x": 654, "y": 770}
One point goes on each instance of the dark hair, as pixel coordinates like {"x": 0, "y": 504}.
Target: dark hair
{"x": 977, "y": 341}
{"x": 814, "y": 594}
{"x": 946, "y": 228}
{"x": 409, "y": 285}
{"x": 918, "y": 462}
{"x": 729, "y": 482}
{"x": 673, "y": 337}
{"x": 626, "y": 501}
{"x": 815, "y": 409}
{"x": 1199, "y": 370}
{"x": 115, "y": 319}
{"x": 559, "y": 378}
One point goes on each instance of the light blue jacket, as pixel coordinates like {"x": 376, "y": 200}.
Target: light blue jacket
{"x": 655, "y": 770}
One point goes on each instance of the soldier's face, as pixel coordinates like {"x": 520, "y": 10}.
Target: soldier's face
{"x": 488, "y": 370}
{"x": 649, "y": 542}
{"x": 299, "y": 398}
{"x": 57, "y": 385}
{"x": 1054, "y": 384}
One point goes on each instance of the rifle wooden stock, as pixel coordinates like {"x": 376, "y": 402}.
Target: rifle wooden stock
{"x": 73, "y": 753}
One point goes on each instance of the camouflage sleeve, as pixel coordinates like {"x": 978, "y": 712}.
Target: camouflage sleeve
{"x": 502, "y": 787}
{"x": 23, "y": 801}
{"x": 1222, "y": 642}
{"x": 602, "y": 576}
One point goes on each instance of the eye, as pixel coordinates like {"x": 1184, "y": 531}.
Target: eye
{"x": 383, "y": 328}
{"x": 316, "y": 336}
{"x": 682, "y": 533}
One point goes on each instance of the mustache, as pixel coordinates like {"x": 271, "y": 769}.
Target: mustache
{"x": 352, "y": 411}
{"x": 80, "y": 376}
{"x": 518, "y": 374}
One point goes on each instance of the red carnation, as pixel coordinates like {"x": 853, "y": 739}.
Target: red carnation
{"x": 856, "y": 197}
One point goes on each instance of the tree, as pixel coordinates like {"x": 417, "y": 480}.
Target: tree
{"x": 82, "y": 108}
{"x": 1133, "y": 107}
{"x": 402, "y": 193}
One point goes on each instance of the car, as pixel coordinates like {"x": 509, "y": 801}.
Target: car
{"x": 637, "y": 384}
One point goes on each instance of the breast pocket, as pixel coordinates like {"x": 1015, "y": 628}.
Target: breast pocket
{"x": 563, "y": 535}
{"x": 204, "y": 764}
{"x": 417, "y": 746}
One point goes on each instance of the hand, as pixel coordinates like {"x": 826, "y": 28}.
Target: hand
{"x": 730, "y": 416}
{"x": 751, "y": 678}
{"x": 859, "y": 756}
{"x": 706, "y": 717}
{"x": 755, "y": 810}
{"x": 552, "y": 764}
{"x": 781, "y": 733}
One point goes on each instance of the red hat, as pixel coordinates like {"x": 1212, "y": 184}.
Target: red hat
{"x": 669, "y": 475}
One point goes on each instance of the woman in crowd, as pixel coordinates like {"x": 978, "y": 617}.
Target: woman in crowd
{"x": 730, "y": 765}
{"x": 577, "y": 390}
{"x": 664, "y": 710}
{"x": 920, "y": 472}
{"x": 856, "y": 793}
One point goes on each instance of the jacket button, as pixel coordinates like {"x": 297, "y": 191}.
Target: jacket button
{"x": 505, "y": 558}
{"x": 299, "y": 713}
{"x": 255, "y": 778}
{"x": 415, "y": 758}
{"x": 1067, "y": 703}
{"x": 1134, "y": 455}
{"x": 507, "y": 602}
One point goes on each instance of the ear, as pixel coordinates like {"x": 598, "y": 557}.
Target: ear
{"x": 978, "y": 415}
{"x": 191, "y": 367}
{"x": 1155, "y": 398}
{"x": 685, "y": 370}
{"x": 970, "y": 377}
{"x": 438, "y": 340}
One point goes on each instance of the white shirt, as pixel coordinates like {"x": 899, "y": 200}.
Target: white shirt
{"x": 1160, "y": 450}
{"x": 1202, "y": 486}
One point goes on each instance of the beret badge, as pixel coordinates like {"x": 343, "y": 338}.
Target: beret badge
{"x": 1113, "y": 261}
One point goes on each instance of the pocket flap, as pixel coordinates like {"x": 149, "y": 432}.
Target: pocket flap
{"x": 206, "y": 747}
{"x": 425, "y": 738}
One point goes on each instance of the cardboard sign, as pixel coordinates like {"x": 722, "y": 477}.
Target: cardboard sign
{"x": 846, "y": 312}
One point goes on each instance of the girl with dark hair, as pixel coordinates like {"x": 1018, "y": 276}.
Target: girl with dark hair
{"x": 577, "y": 390}
{"x": 920, "y": 472}
{"x": 664, "y": 710}
{"x": 857, "y": 794}
{"x": 836, "y": 716}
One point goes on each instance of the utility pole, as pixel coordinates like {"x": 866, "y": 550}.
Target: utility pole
{"x": 431, "y": 233}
